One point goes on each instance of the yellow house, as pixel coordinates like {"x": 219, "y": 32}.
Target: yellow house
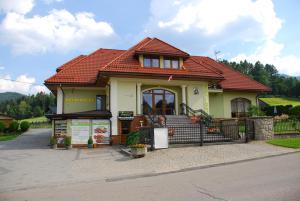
{"x": 107, "y": 93}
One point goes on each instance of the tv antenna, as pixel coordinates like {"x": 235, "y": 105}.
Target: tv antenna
{"x": 216, "y": 52}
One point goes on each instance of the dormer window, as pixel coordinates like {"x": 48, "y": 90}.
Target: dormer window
{"x": 151, "y": 61}
{"x": 171, "y": 62}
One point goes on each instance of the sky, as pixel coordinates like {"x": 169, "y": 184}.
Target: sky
{"x": 37, "y": 36}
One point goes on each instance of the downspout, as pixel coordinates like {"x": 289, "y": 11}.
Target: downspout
{"x": 109, "y": 105}
{"x": 63, "y": 98}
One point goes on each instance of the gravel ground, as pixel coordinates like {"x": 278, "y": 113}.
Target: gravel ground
{"x": 27, "y": 161}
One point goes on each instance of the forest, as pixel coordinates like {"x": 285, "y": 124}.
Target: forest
{"x": 28, "y": 106}
{"x": 281, "y": 85}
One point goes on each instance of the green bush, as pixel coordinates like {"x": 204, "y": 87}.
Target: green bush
{"x": 254, "y": 111}
{"x": 133, "y": 138}
{"x": 90, "y": 140}
{"x": 68, "y": 140}
{"x": 295, "y": 111}
{"x": 53, "y": 140}
{"x": 2, "y": 127}
{"x": 13, "y": 126}
{"x": 24, "y": 126}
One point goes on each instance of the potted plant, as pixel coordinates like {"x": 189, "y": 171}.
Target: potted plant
{"x": 90, "y": 142}
{"x": 138, "y": 150}
{"x": 53, "y": 142}
{"x": 68, "y": 142}
{"x": 195, "y": 119}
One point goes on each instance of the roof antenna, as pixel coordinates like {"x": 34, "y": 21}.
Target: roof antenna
{"x": 216, "y": 52}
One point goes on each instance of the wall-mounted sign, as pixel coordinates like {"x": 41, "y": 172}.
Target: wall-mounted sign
{"x": 80, "y": 129}
{"x": 80, "y": 100}
{"x": 101, "y": 131}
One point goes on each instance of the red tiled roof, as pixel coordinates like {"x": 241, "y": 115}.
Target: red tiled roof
{"x": 71, "y": 62}
{"x": 156, "y": 46}
{"x": 234, "y": 80}
{"x": 84, "y": 69}
{"x": 128, "y": 63}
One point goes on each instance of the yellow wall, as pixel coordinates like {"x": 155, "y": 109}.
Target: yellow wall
{"x": 127, "y": 92}
{"x": 127, "y": 96}
{"x": 81, "y": 99}
{"x": 216, "y": 105}
{"x": 220, "y": 103}
{"x": 200, "y": 100}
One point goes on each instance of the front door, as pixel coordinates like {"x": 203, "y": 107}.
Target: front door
{"x": 159, "y": 101}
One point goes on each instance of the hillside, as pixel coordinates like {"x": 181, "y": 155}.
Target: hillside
{"x": 9, "y": 96}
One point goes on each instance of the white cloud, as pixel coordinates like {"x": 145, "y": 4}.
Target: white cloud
{"x": 213, "y": 17}
{"x": 60, "y": 30}
{"x": 17, "y": 6}
{"x": 2, "y": 67}
{"x": 51, "y": 1}
{"x": 271, "y": 52}
{"x": 23, "y": 84}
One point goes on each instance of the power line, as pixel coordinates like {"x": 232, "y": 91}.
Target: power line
{"x": 21, "y": 82}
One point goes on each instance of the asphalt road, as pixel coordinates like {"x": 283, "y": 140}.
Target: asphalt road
{"x": 276, "y": 179}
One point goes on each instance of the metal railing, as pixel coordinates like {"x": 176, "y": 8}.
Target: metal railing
{"x": 187, "y": 110}
{"x": 214, "y": 132}
{"x": 286, "y": 126}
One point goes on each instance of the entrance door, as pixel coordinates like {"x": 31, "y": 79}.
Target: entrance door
{"x": 158, "y": 101}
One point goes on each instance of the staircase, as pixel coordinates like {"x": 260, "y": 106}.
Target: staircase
{"x": 183, "y": 131}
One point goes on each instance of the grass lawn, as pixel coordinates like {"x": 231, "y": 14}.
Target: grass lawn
{"x": 36, "y": 119}
{"x": 288, "y": 142}
{"x": 281, "y": 101}
{"x": 8, "y": 136}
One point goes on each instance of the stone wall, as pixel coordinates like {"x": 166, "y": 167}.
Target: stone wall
{"x": 263, "y": 128}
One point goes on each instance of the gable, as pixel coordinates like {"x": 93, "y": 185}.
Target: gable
{"x": 156, "y": 46}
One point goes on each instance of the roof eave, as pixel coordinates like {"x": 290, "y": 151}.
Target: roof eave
{"x": 152, "y": 75}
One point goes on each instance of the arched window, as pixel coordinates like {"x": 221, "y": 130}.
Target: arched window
{"x": 158, "y": 101}
{"x": 240, "y": 107}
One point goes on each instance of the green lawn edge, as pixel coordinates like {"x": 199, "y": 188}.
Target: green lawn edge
{"x": 286, "y": 142}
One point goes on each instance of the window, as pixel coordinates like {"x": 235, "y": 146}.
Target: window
{"x": 171, "y": 63}
{"x": 100, "y": 102}
{"x": 240, "y": 107}
{"x": 151, "y": 61}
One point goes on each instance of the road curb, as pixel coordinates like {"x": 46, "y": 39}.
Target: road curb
{"x": 154, "y": 174}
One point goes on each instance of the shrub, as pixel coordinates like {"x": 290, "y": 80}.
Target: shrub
{"x": 53, "y": 140}
{"x": 255, "y": 111}
{"x": 90, "y": 140}
{"x": 295, "y": 111}
{"x": 13, "y": 126}
{"x": 24, "y": 126}
{"x": 133, "y": 138}
{"x": 68, "y": 140}
{"x": 2, "y": 127}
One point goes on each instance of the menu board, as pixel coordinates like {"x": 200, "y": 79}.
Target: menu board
{"x": 101, "y": 131}
{"x": 80, "y": 129}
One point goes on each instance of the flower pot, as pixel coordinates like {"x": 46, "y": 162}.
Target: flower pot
{"x": 90, "y": 145}
{"x": 54, "y": 146}
{"x": 138, "y": 152}
{"x": 69, "y": 147}
{"x": 94, "y": 145}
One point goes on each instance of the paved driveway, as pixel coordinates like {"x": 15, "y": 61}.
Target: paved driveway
{"x": 27, "y": 162}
